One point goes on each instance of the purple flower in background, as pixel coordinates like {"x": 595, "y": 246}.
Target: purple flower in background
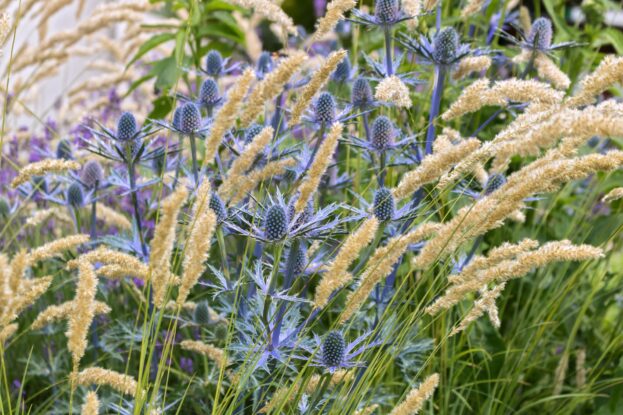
{"x": 319, "y": 7}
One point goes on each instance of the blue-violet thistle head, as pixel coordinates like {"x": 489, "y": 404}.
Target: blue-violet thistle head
{"x": 126, "y": 127}
{"x": 384, "y": 204}
{"x": 209, "y": 94}
{"x": 387, "y": 11}
{"x": 219, "y": 208}
{"x": 190, "y": 118}
{"x": 494, "y": 182}
{"x": 445, "y": 45}
{"x": 92, "y": 174}
{"x": 325, "y": 108}
{"x": 333, "y": 349}
{"x": 75, "y": 195}
{"x": 265, "y": 63}
{"x": 541, "y": 33}
{"x": 361, "y": 95}
{"x": 214, "y": 63}
{"x": 383, "y": 133}
{"x": 342, "y": 71}
{"x": 275, "y": 223}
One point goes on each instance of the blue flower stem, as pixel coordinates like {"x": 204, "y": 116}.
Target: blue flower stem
{"x": 137, "y": 213}
{"x": 366, "y": 126}
{"x": 271, "y": 290}
{"x": 193, "y": 153}
{"x": 389, "y": 65}
{"x": 438, "y": 16}
{"x": 77, "y": 219}
{"x": 178, "y": 164}
{"x": 435, "y": 105}
{"x": 287, "y": 283}
{"x": 277, "y": 117}
{"x": 93, "y": 229}
{"x": 382, "y": 168}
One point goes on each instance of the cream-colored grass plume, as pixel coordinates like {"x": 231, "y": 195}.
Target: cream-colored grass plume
{"x": 235, "y": 174}
{"x": 580, "y": 368}
{"x": 269, "y": 11}
{"x": 434, "y": 166}
{"x": 103, "y": 377}
{"x": 6, "y": 332}
{"x": 393, "y": 91}
{"x": 486, "y": 303}
{"x": 609, "y": 72}
{"x": 91, "y": 404}
{"x": 368, "y": 410}
{"x": 381, "y": 264}
{"x": 614, "y": 194}
{"x": 315, "y": 84}
{"x": 214, "y": 353}
{"x": 417, "y": 397}
{"x": 549, "y": 71}
{"x": 63, "y": 311}
{"x": 412, "y": 8}
{"x": 274, "y": 168}
{"x": 41, "y": 216}
{"x": 28, "y": 293}
{"x": 226, "y": 116}
{"x": 335, "y": 13}
{"x": 471, "y": 64}
{"x": 116, "y": 264}
{"x": 202, "y": 225}
{"x": 51, "y": 249}
{"x": 472, "y": 7}
{"x": 336, "y": 274}
{"x": 82, "y": 312}
{"x": 271, "y": 86}
{"x": 162, "y": 244}
{"x": 429, "y": 5}
{"x": 112, "y": 217}
{"x": 319, "y": 166}
{"x": 43, "y": 167}
{"x": 524, "y": 19}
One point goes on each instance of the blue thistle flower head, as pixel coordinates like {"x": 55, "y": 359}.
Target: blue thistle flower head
{"x": 325, "y": 108}
{"x": 190, "y": 118}
{"x": 383, "y": 133}
{"x": 219, "y": 208}
{"x": 252, "y": 131}
{"x": 333, "y": 350}
{"x": 446, "y": 45}
{"x": 342, "y": 71}
{"x": 126, "y": 127}
{"x": 384, "y": 204}
{"x": 265, "y": 63}
{"x": 541, "y": 34}
{"x": 75, "y": 195}
{"x": 92, "y": 173}
{"x": 201, "y": 315}
{"x": 64, "y": 150}
{"x": 494, "y": 182}
{"x": 361, "y": 95}
{"x": 209, "y": 94}
{"x": 275, "y": 223}
{"x": 214, "y": 63}
{"x": 297, "y": 260}
{"x": 387, "y": 11}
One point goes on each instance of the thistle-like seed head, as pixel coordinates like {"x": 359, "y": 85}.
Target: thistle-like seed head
{"x": 214, "y": 63}
{"x": 361, "y": 95}
{"x": 252, "y": 131}
{"x": 384, "y": 204}
{"x": 126, "y": 127}
{"x": 92, "y": 173}
{"x": 333, "y": 349}
{"x": 494, "y": 182}
{"x": 64, "y": 150}
{"x": 190, "y": 118}
{"x": 201, "y": 315}
{"x": 265, "y": 63}
{"x": 5, "y": 208}
{"x": 445, "y": 45}
{"x": 297, "y": 260}
{"x": 75, "y": 195}
{"x": 383, "y": 133}
{"x": 219, "y": 208}
{"x": 342, "y": 71}
{"x": 209, "y": 94}
{"x": 387, "y": 11}
{"x": 325, "y": 108}
{"x": 541, "y": 33}
{"x": 275, "y": 223}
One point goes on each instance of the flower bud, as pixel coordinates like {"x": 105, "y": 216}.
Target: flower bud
{"x": 494, "y": 182}
{"x": 126, "y": 127}
{"x": 383, "y": 133}
{"x": 75, "y": 195}
{"x": 209, "y": 94}
{"x": 92, "y": 173}
{"x": 541, "y": 33}
{"x": 361, "y": 95}
{"x": 265, "y": 63}
{"x": 342, "y": 71}
{"x": 325, "y": 108}
{"x": 201, "y": 314}
{"x": 190, "y": 118}
{"x": 387, "y": 11}
{"x": 333, "y": 349}
{"x": 384, "y": 204}
{"x": 445, "y": 45}
{"x": 253, "y": 130}
{"x": 214, "y": 63}
{"x": 275, "y": 223}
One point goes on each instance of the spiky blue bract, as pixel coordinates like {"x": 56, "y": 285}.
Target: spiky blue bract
{"x": 387, "y": 11}
{"x": 342, "y": 71}
{"x": 126, "y": 127}
{"x": 325, "y": 108}
{"x": 384, "y": 204}
{"x": 297, "y": 260}
{"x": 177, "y": 116}
{"x": 333, "y": 349}
{"x": 275, "y": 223}
{"x": 214, "y": 63}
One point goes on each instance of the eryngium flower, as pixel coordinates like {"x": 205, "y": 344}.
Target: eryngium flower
{"x": 384, "y": 204}
{"x": 126, "y": 127}
{"x": 275, "y": 223}
{"x": 383, "y": 133}
{"x": 190, "y": 118}
{"x": 325, "y": 108}
{"x": 342, "y": 71}
{"x": 75, "y": 195}
{"x": 297, "y": 260}
{"x": 494, "y": 182}
{"x": 92, "y": 173}
{"x": 64, "y": 150}
{"x": 304, "y": 216}
{"x": 201, "y": 315}
{"x": 361, "y": 95}
{"x": 265, "y": 63}
{"x": 219, "y": 208}
{"x": 253, "y": 130}
{"x": 387, "y": 10}
{"x": 209, "y": 94}
{"x": 333, "y": 349}
{"x": 446, "y": 45}
{"x": 540, "y": 36}
{"x": 214, "y": 63}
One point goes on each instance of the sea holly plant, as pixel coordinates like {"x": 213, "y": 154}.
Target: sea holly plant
{"x": 295, "y": 228}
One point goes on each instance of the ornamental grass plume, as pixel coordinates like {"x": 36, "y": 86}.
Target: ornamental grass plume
{"x": 103, "y": 377}
{"x": 471, "y": 64}
{"x": 63, "y": 311}
{"x": 315, "y": 84}
{"x": 271, "y": 86}
{"x": 334, "y": 14}
{"x": 214, "y": 353}
{"x": 162, "y": 245}
{"x": 43, "y": 167}
{"x": 549, "y": 71}
{"x": 393, "y": 91}
{"x": 91, "y": 404}
{"x": 336, "y": 273}
{"x": 609, "y": 72}
{"x": 56, "y": 247}
{"x": 82, "y": 313}
{"x": 235, "y": 174}
{"x": 112, "y": 217}
{"x": 417, "y": 397}
{"x": 202, "y": 224}
{"x": 472, "y": 7}
{"x": 127, "y": 263}
{"x": 270, "y": 11}
{"x": 6, "y": 332}
{"x": 225, "y": 118}
{"x": 27, "y": 293}
{"x": 486, "y": 303}
{"x": 255, "y": 177}
{"x": 614, "y": 194}
{"x": 41, "y": 216}
{"x": 319, "y": 166}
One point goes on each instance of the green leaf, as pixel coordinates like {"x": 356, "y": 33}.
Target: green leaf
{"x": 162, "y": 106}
{"x": 166, "y": 72}
{"x": 151, "y": 44}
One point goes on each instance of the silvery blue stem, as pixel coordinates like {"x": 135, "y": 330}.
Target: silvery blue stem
{"x": 366, "y": 126}
{"x": 93, "y": 233}
{"x": 178, "y": 165}
{"x": 193, "y": 153}
{"x": 388, "y": 51}
{"x": 440, "y": 76}
{"x": 382, "y": 170}
{"x": 137, "y": 213}
{"x": 277, "y": 120}
{"x": 287, "y": 283}
{"x": 438, "y": 17}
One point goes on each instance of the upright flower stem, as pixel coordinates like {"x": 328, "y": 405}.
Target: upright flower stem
{"x": 193, "y": 153}
{"x": 389, "y": 66}
{"x": 440, "y": 76}
{"x": 287, "y": 283}
{"x": 178, "y": 165}
{"x": 93, "y": 232}
{"x": 137, "y": 214}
